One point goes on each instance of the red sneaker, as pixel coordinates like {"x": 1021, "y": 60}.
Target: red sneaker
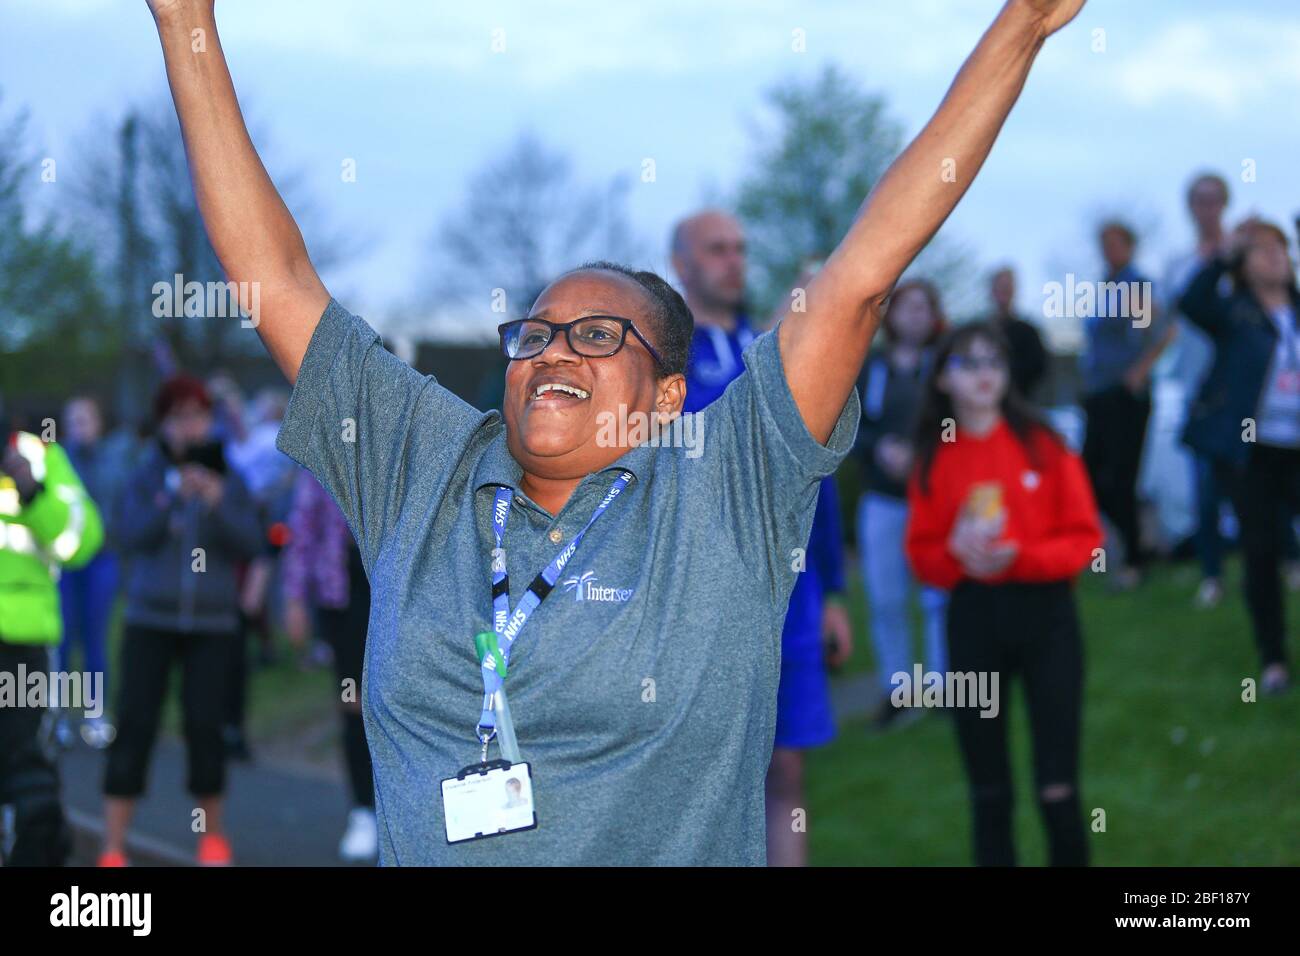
{"x": 112, "y": 858}
{"x": 214, "y": 850}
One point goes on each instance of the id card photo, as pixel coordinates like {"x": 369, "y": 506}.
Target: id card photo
{"x": 483, "y": 804}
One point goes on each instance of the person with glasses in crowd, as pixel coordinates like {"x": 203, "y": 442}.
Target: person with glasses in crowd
{"x": 645, "y": 686}
{"x": 1003, "y": 516}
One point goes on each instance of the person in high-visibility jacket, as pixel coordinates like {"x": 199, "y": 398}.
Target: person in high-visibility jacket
{"x": 47, "y": 523}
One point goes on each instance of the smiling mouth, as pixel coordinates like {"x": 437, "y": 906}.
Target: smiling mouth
{"x": 558, "y": 392}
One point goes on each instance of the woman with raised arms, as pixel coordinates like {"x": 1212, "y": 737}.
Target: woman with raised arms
{"x": 642, "y": 693}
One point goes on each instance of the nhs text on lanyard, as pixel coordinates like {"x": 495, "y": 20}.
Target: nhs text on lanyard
{"x": 506, "y": 625}
{"x": 491, "y": 799}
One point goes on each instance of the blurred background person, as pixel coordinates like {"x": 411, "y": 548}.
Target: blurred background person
{"x": 1207, "y": 199}
{"x": 708, "y": 254}
{"x": 1002, "y": 514}
{"x": 46, "y": 521}
{"x": 322, "y": 570}
{"x": 891, "y": 388}
{"x": 231, "y": 429}
{"x": 88, "y": 594}
{"x": 1246, "y": 417}
{"x": 183, "y": 520}
{"x": 1028, "y": 356}
{"x": 247, "y": 433}
{"x": 1119, "y": 352}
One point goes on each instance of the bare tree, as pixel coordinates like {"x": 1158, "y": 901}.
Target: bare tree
{"x": 824, "y": 147}
{"x": 137, "y": 204}
{"x": 525, "y": 220}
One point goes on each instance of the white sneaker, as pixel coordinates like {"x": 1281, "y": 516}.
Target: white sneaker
{"x": 1209, "y": 594}
{"x": 98, "y": 732}
{"x": 361, "y": 839}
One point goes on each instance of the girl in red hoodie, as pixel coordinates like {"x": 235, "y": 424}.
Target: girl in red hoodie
{"x": 1002, "y": 514}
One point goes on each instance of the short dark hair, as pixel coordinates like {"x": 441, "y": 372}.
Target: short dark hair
{"x": 1256, "y": 227}
{"x": 674, "y": 324}
{"x": 932, "y": 297}
{"x": 1209, "y": 177}
{"x": 1123, "y": 228}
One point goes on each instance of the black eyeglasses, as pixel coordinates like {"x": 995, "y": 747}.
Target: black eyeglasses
{"x": 976, "y": 363}
{"x": 592, "y": 336}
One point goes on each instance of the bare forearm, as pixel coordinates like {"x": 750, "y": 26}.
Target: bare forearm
{"x": 924, "y": 185}
{"x": 251, "y": 230}
{"x": 824, "y": 347}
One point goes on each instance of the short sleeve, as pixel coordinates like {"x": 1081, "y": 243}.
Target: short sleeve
{"x": 766, "y": 463}
{"x": 369, "y": 426}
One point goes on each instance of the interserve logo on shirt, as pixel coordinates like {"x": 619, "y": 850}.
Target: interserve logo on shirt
{"x": 585, "y": 588}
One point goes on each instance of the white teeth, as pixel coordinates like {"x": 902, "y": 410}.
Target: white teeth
{"x": 560, "y": 387}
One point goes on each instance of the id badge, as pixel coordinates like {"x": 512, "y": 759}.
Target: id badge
{"x": 488, "y": 799}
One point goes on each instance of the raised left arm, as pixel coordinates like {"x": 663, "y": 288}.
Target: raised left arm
{"x": 823, "y": 347}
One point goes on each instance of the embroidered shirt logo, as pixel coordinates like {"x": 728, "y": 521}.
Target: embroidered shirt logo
{"x": 585, "y": 588}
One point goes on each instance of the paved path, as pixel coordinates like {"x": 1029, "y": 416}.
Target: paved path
{"x": 276, "y": 814}
{"x": 273, "y": 816}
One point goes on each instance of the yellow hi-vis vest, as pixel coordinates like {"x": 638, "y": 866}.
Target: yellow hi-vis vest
{"x": 60, "y": 527}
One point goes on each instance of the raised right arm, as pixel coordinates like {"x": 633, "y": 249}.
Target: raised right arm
{"x": 248, "y": 224}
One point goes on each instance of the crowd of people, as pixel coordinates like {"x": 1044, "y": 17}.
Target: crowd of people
{"x": 211, "y": 473}
{"x": 277, "y": 552}
{"x": 213, "y": 540}
{"x": 1223, "y": 321}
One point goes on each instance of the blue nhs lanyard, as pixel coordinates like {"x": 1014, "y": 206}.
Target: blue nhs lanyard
{"x": 508, "y": 625}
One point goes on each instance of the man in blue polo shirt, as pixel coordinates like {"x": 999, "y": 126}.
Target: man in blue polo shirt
{"x": 708, "y": 250}
{"x": 1123, "y": 339}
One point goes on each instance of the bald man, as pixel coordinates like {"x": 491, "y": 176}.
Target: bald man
{"x": 709, "y": 257}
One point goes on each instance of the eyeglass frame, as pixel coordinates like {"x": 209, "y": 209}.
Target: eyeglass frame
{"x": 624, "y": 323}
{"x": 963, "y": 363}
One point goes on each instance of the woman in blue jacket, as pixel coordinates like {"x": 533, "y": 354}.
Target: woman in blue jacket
{"x": 1246, "y": 417}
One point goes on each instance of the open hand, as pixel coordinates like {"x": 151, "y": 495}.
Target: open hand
{"x": 975, "y": 546}
{"x": 20, "y": 470}
{"x": 167, "y": 8}
{"x": 837, "y": 632}
{"x": 1054, "y": 14}
{"x": 197, "y": 481}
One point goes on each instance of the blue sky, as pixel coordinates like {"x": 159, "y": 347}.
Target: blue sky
{"x": 414, "y": 93}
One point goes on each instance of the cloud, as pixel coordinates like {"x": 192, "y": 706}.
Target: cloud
{"x": 1227, "y": 64}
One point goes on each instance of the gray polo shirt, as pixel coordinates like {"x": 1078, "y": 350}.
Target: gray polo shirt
{"x": 646, "y": 705}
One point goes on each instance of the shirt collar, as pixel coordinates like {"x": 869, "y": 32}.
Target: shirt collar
{"x": 498, "y": 467}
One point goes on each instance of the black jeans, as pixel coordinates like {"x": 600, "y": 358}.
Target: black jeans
{"x": 29, "y": 778}
{"x": 1030, "y": 630}
{"x": 146, "y": 665}
{"x": 1112, "y": 453}
{"x": 1265, "y": 493}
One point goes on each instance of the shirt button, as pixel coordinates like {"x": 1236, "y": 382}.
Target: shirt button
{"x": 555, "y": 536}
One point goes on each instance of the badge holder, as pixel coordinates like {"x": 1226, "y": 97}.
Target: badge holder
{"x": 488, "y": 799}
{"x": 491, "y": 797}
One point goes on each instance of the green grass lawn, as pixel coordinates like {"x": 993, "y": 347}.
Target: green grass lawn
{"x": 1186, "y": 773}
